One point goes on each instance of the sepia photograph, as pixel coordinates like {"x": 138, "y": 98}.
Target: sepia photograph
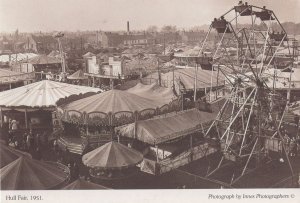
{"x": 125, "y": 98}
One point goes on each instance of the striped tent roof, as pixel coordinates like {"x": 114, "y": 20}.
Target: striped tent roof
{"x": 112, "y": 155}
{"x": 30, "y": 174}
{"x": 41, "y": 94}
{"x": 112, "y": 101}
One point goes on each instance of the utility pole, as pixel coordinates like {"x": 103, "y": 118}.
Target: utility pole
{"x": 58, "y": 36}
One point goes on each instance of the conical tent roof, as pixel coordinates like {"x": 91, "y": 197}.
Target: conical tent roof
{"x": 112, "y": 155}
{"x": 41, "y": 94}
{"x": 78, "y": 75}
{"x": 112, "y": 101}
{"x": 44, "y": 59}
{"x": 30, "y": 174}
{"x": 88, "y": 54}
{"x": 153, "y": 91}
{"x": 80, "y": 184}
{"x": 8, "y": 155}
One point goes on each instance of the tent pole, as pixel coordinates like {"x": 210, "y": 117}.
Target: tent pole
{"x": 157, "y": 159}
{"x": 1, "y": 117}
{"x": 26, "y": 121}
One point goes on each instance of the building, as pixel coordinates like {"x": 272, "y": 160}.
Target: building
{"x": 42, "y": 44}
{"x": 110, "y": 39}
{"x": 6, "y": 45}
{"x": 167, "y": 38}
{"x": 138, "y": 39}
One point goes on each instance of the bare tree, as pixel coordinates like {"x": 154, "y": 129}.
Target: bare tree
{"x": 152, "y": 28}
{"x": 169, "y": 28}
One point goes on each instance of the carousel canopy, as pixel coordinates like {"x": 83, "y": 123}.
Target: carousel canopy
{"x": 186, "y": 78}
{"x": 112, "y": 155}
{"x": 30, "y": 174}
{"x": 7, "y": 76}
{"x": 153, "y": 91}
{"x": 80, "y": 184}
{"x": 112, "y": 101}
{"x": 8, "y": 155}
{"x": 162, "y": 129}
{"x": 78, "y": 75}
{"x": 41, "y": 94}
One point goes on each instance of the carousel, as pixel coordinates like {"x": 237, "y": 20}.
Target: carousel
{"x": 20, "y": 172}
{"x": 112, "y": 163}
{"x": 32, "y": 107}
{"x": 91, "y": 120}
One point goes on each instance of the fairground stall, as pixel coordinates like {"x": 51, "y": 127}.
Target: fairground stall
{"x": 89, "y": 122}
{"x": 43, "y": 65}
{"x": 170, "y": 141}
{"x": 11, "y": 79}
{"x": 31, "y": 107}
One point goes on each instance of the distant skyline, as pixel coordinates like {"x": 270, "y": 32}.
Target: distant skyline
{"x": 73, "y": 15}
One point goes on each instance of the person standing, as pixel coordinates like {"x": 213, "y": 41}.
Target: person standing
{"x": 24, "y": 141}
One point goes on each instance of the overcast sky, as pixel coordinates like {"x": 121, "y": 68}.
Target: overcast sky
{"x": 72, "y": 15}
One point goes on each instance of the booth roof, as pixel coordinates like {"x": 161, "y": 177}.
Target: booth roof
{"x": 29, "y": 174}
{"x": 112, "y": 155}
{"x": 162, "y": 129}
{"x": 41, "y": 94}
{"x": 80, "y": 184}
{"x": 112, "y": 101}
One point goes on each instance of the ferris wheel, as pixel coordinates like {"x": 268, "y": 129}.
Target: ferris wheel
{"x": 248, "y": 42}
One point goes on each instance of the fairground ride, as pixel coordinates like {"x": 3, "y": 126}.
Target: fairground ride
{"x": 248, "y": 125}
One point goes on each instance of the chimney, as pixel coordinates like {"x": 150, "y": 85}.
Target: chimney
{"x": 128, "y": 27}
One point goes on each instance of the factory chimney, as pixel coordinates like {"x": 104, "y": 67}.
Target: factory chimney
{"x": 128, "y": 27}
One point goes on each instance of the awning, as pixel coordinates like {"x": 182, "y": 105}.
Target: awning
{"x": 112, "y": 155}
{"x": 43, "y": 94}
{"x": 162, "y": 129}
